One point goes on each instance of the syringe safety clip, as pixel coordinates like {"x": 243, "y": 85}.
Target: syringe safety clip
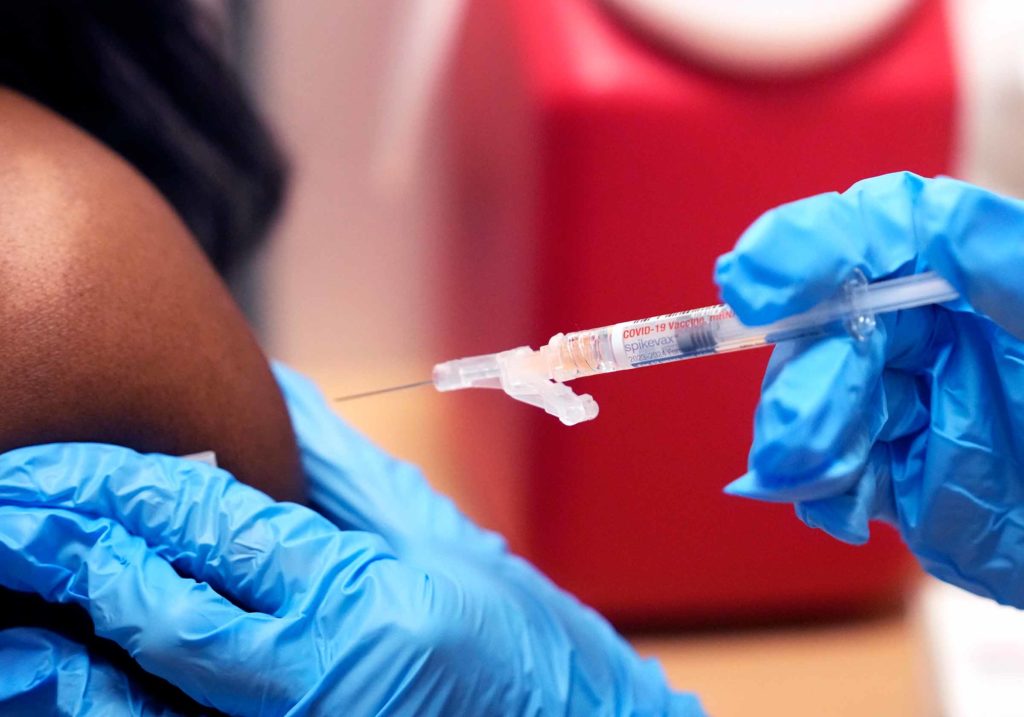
{"x": 524, "y": 377}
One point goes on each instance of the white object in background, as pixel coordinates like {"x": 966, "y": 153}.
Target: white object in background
{"x": 976, "y": 648}
{"x": 758, "y": 37}
{"x": 207, "y": 457}
{"x": 990, "y": 58}
{"x": 419, "y": 56}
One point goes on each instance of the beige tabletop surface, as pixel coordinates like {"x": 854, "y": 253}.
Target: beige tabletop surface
{"x": 864, "y": 667}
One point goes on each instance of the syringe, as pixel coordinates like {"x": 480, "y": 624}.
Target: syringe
{"x": 537, "y": 377}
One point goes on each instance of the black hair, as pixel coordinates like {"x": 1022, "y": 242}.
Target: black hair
{"x": 146, "y": 78}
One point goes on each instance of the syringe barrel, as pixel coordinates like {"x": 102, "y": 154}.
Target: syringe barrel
{"x": 659, "y": 339}
{"x": 716, "y": 330}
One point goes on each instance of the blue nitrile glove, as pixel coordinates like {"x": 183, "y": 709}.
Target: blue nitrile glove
{"x": 46, "y": 674}
{"x": 409, "y": 609}
{"x": 922, "y": 425}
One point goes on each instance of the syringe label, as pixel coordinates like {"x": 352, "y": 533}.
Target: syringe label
{"x": 666, "y": 338}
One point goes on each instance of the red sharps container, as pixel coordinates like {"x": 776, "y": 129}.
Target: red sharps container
{"x": 598, "y": 176}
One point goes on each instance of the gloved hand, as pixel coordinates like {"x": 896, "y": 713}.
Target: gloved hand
{"x": 922, "y": 425}
{"x": 46, "y": 674}
{"x": 263, "y": 608}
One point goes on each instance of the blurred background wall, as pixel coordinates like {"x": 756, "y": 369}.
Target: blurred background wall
{"x": 348, "y": 289}
{"x": 352, "y": 264}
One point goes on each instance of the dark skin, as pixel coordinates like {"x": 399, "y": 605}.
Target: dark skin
{"x": 113, "y": 326}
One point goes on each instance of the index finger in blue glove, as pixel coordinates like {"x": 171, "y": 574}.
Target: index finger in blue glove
{"x": 199, "y": 518}
{"x": 799, "y": 254}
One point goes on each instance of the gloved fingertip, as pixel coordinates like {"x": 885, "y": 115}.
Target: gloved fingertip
{"x": 723, "y": 268}
{"x": 746, "y": 486}
{"x": 745, "y": 295}
{"x": 833, "y": 516}
{"x": 750, "y": 485}
{"x": 789, "y": 489}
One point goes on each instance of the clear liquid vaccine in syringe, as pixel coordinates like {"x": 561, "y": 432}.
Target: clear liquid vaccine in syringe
{"x": 538, "y": 377}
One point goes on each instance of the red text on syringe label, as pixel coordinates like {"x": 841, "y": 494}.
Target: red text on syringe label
{"x": 669, "y": 337}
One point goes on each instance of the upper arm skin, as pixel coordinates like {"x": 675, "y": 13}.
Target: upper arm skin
{"x": 113, "y": 326}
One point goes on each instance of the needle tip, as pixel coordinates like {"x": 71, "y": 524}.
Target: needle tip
{"x": 390, "y": 389}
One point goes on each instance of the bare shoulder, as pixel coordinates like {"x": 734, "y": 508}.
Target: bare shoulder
{"x": 113, "y": 326}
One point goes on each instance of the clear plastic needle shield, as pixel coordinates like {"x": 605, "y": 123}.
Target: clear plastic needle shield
{"x": 538, "y": 377}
